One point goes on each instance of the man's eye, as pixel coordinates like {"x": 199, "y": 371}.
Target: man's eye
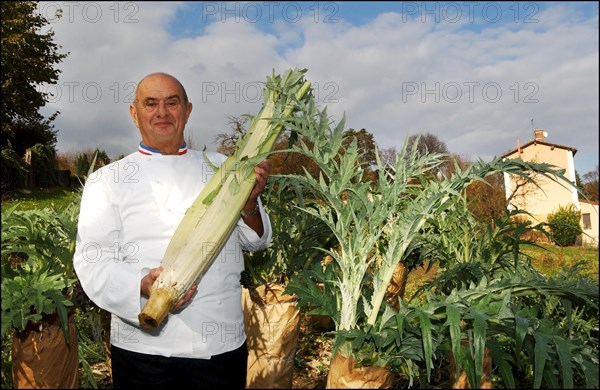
{"x": 172, "y": 104}
{"x": 150, "y": 104}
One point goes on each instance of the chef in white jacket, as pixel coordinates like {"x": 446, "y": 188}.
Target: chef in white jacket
{"x": 129, "y": 212}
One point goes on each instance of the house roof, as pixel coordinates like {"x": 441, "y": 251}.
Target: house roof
{"x": 535, "y": 142}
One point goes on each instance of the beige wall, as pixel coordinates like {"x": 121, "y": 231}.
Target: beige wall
{"x": 590, "y": 236}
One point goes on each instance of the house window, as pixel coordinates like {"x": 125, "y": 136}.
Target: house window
{"x": 587, "y": 222}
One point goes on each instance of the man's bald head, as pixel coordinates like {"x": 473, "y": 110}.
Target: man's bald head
{"x": 163, "y": 74}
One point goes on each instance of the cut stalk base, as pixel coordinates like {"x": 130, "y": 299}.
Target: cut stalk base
{"x": 159, "y": 304}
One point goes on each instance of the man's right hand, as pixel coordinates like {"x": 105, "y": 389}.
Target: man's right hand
{"x": 148, "y": 281}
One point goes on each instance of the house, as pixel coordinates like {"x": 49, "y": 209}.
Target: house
{"x": 540, "y": 202}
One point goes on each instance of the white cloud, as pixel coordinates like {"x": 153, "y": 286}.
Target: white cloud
{"x": 390, "y": 75}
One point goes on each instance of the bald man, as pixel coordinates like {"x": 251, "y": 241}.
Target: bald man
{"x": 129, "y": 212}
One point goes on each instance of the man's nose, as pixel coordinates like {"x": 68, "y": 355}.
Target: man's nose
{"x": 161, "y": 110}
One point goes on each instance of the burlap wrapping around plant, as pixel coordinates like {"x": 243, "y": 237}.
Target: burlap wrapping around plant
{"x": 272, "y": 324}
{"x": 462, "y": 382}
{"x": 397, "y": 286}
{"x": 344, "y": 375}
{"x": 42, "y": 359}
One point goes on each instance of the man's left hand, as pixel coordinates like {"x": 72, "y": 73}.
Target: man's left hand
{"x": 261, "y": 170}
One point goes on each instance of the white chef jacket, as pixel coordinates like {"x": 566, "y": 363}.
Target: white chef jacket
{"x": 129, "y": 212}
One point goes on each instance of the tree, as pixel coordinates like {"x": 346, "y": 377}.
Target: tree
{"x": 292, "y": 163}
{"x": 590, "y": 185}
{"x": 366, "y": 149}
{"x": 282, "y": 163}
{"x": 28, "y": 61}
{"x": 366, "y": 145}
{"x": 43, "y": 165}
{"x": 388, "y": 156}
{"x": 487, "y": 199}
{"x": 430, "y": 143}
{"x": 227, "y": 141}
{"x": 578, "y": 182}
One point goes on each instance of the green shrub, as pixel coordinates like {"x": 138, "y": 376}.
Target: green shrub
{"x": 43, "y": 165}
{"x": 564, "y": 225}
{"x": 13, "y": 169}
{"x": 84, "y": 161}
{"x": 82, "y": 165}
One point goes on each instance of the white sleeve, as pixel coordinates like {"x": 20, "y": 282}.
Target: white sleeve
{"x": 105, "y": 276}
{"x": 249, "y": 239}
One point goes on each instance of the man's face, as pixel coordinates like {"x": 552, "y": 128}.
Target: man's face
{"x": 160, "y": 113}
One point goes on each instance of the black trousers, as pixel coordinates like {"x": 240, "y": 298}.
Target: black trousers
{"x": 137, "y": 370}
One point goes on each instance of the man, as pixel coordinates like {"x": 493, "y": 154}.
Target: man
{"x": 129, "y": 212}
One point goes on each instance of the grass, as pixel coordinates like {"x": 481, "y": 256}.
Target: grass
{"x": 54, "y": 198}
{"x": 549, "y": 259}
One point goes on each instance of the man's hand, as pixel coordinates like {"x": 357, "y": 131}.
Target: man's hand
{"x": 148, "y": 281}
{"x": 261, "y": 171}
{"x": 250, "y": 212}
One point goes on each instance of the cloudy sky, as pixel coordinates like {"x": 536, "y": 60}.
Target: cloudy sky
{"x": 480, "y": 76}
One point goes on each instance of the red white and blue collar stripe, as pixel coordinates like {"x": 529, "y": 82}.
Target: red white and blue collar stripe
{"x": 148, "y": 151}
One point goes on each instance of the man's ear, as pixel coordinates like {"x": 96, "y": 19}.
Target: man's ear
{"x": 133, "y": 113}
{"x": 188, "y": 110}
